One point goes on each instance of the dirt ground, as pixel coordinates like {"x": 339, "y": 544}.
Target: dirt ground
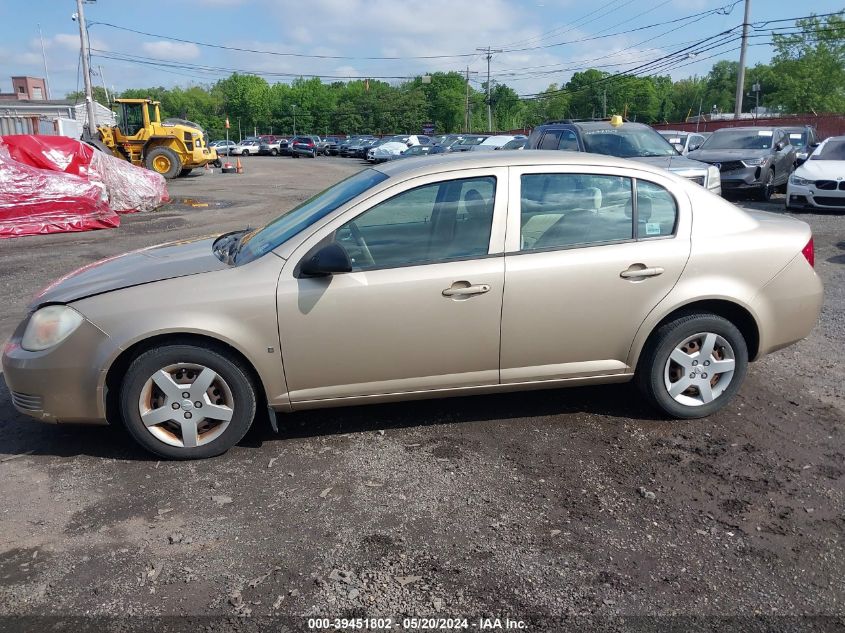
{"x": 565, "y": 510}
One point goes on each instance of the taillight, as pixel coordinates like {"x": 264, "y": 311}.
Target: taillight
{"x": 809, "y": 254}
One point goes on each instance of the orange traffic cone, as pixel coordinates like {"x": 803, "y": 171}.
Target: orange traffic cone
{"x": 239, "y": 168}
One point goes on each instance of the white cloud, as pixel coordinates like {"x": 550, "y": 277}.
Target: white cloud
{"x": 176, "y": 51}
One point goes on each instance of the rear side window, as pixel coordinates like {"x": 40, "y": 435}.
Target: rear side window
{"x": 560, "y": 139}
{"x": 657, "y": 211}
{"x": 564, "y": 210}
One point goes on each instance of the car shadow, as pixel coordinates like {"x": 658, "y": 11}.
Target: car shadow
{"x": 19, "y": 435}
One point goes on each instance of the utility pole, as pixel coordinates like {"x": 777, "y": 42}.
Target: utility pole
{"x": 489, "y": 51}
{"x": 103, "y": 79}
{"x": 467, "y": 117}
{"x": 604, "y": 104}
{"x": 294, "y": 118}
{"x": 44, "y": 57}
{"x": 740, "y": 76}
{"x": 86, "y": 69}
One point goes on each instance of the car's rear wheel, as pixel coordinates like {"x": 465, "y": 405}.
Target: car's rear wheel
{"x": 274, "y": 152}
{"x": 187, "y": 402}
{"x": 693, "y": 365}
{"x": 245, "y": 152}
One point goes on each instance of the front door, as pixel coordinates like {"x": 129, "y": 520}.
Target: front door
{"x": 591, "y": 254}
{"x": 420, "y": 310}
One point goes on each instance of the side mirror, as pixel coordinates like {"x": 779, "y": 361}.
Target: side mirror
{"x": 814, "y": 145}
{"x": 779, "y": 145}
{"x": 326, "y": 260}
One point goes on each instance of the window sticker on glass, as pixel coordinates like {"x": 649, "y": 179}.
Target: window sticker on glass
{"x": 764, "y": 133}
{"x": 795, "y": 136}
{"x": 652, "y": 228}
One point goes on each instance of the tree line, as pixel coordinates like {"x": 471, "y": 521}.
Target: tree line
{"x": 806, "y": 74}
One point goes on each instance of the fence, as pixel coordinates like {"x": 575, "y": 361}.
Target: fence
{"x": 825, "y": 124}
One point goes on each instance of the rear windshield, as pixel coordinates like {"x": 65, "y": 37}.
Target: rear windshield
{"x": 739, "y": 139}
{"x": 284, "y": 227}
{"x": 832, "y": 150}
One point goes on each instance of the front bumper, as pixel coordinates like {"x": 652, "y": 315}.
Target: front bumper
{"x": 201, "y": 157}
{"x": 744, "y": 179}
{"x": 808, "y": 197}
{"x": 60, "y": 384}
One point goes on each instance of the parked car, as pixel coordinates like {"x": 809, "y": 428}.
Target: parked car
{"x": 188, "y": 341}
{"x": 270, "y": 148}
{"x": 305, "y": 146}
{"x": 804, "y": 140}
{"x": 819, "y": 183}
{"x": 333, "y": 145}
{"x": 467, "y": 142}
{"x": 750, "y": 159}
{"x": 517, "y": 143}
{"x": 245, "y": 148}
{"x": 497, "y": 141}
{"x": 386, "y": 151}
{"x": 684, "y": 142}
{"x": 223, "y": 147}
{"x": 416, "y": 150}
{"x": 344, "y": 148}
{"x": 268, "y": 138}
{"x": 623, "y": 139}
{"x": 366, "y": 145}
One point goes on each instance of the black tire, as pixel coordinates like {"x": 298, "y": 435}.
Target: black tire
{"x": 766, "y": 190}
{"x": 170, "y": 155}
{"x": 274, "y": 152}
{"x": 245, "y": 152}
{"x": 217, "y": 163}
{"x": 184, "y": 172}
{"x": 655, "y": 356}
{"x": 232, "y": 371}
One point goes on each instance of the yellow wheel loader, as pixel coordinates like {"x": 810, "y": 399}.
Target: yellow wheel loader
{"x": 170, "y": 148}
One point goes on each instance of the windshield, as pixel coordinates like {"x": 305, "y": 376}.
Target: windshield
{"x": 626, "y": 142}
{"x": 278, "y": 231}
{"x": 798, "y": 139}
{"x": 832, "y": 150}
{"x": 739, "y": 139}
{"x": 472, "y": 140}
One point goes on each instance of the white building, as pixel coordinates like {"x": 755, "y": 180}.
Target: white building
{"x": 52, "y": 117}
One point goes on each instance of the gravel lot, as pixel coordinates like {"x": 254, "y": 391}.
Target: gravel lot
{"x": 568, "y": 510}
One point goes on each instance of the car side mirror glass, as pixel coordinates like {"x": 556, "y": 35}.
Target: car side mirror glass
{"x": 326, "y": 260}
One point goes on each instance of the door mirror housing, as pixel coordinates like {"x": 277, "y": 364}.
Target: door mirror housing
{"x": 326, "y": 260}
{"x": 779, "y": 146}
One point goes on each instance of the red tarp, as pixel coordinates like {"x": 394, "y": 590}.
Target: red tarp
{"x": 28, "y": 165}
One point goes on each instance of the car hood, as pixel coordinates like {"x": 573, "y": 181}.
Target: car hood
{"x": 166, "y": 261}
{"x": 672, "y": 163}
{"x": 725, "y": 155}
{"x": 821, "y": 169}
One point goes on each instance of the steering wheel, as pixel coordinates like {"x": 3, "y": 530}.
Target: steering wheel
{"x": 360, "y": 243}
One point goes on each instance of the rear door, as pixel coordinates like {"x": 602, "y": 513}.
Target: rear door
{"x": 589, "y": 254}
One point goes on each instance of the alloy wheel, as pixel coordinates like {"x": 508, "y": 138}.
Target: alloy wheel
{"x": 186, "y": 405}
{"x": 700, "y": 369}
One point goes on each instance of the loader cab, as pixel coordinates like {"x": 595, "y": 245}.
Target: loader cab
{"x": 136, "y": 115}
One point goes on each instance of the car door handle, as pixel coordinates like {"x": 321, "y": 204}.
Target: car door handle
{"x": 463, "y": 291}
{"x": 636, "y": 273}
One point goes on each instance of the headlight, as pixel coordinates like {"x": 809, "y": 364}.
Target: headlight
{"x": 753, "y": 162}
{"x": 714, "y": 177}
{"x": 797, "y": 180}
{"x": 49, "y": 326}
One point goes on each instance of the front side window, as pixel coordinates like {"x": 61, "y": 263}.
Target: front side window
{"x": 563, "y": 210}
{"x": 429, "y": 224}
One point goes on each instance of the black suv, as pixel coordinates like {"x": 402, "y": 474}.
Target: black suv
{"x": 636, "y": 141}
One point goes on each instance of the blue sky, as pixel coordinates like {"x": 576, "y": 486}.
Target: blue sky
{"x": 545, "y": 40}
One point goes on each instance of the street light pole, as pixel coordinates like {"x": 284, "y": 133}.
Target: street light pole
{"x": 489, "y": 52}
{"x": 740, "y": 76}
{"x": 86, "y": 69}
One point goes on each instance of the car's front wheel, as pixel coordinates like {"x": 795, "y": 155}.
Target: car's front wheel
{"x": 768, "y": 187}
{"x": 693, "y": 365}
{"x": 187, "y": 402}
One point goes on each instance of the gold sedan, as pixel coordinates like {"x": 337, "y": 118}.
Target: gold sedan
{"x": 427, "y": 277}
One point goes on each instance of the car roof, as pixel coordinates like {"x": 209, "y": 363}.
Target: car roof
{"x": 474, "y": 160}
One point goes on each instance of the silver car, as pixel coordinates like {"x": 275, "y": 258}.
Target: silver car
{"x": 439, "y": 276}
